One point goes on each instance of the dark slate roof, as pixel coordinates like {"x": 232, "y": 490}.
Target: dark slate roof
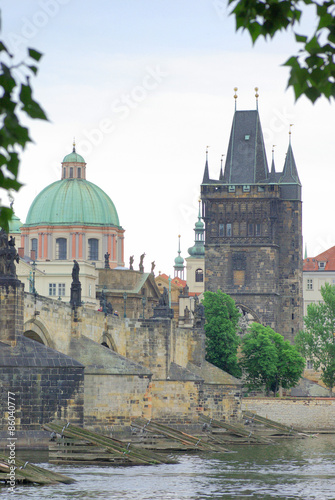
{"x": 290, "y": 172}
{"x": 29, "y": 353}
{"x": 206, "y": 173}
{"x": 272, "y": 177}
{"x": 246, "y": 161}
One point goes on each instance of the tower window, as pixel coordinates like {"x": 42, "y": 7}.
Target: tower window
{"x": 231, "y": 189}
{"x": 79, "y": 172}
{"x": 61, "y": 249}
{"x": 250, "y": 229}
{"x": 34, "y": 245}
{"x": 246, "y": 189}
{"x": 64, "y": 172}
{"x": 93, "y": 249}
{"x": 71, "y": 172}
{"x": 229, "y": 231}
{"x": 221, "y": 229}
{"x": 199, "y": 276}
{"x": 258, "y": 230}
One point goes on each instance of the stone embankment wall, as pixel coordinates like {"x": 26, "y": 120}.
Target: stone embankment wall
{"x": 315, "y": 414}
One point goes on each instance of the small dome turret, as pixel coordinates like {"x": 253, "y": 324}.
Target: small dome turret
{"x": 198, "y": 249}
{"x": 179, "y": 263}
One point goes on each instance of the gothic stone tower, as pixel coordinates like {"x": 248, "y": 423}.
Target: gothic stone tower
{"x": 253, "y": 239}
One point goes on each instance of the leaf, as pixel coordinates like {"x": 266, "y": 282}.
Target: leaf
{"x": 300, "y": 38}
{"x": 34, "y": 54}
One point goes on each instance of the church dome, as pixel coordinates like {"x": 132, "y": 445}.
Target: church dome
{"x": 14, "y": 225}
{"x": 71, "y": 202}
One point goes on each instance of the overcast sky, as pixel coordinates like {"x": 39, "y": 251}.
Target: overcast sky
{"x": 144, "y": 86}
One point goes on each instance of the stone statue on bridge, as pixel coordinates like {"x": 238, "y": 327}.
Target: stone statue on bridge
{"x": 75, "y": 299}
{"x": 8, "y": 255}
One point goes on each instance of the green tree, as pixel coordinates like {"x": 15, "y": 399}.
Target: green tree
{"x": 312, "y": 70}
{"x": 270, "y": 361}
{"x": 15, "y": 98}
{"x": 221, "y": 338}
{"x": 317, "y": 340}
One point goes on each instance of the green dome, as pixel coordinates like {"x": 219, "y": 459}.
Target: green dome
{"x": 198, "y": 250}
{"x": 72, "y": 202}
{"x": 199, "y": 224}
{"x": 14, "y": 225}
{"x": 179, "y": 261}
{"x": 73, "y": 157}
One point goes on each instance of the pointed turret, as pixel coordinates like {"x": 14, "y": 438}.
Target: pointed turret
{"x": 272, "y": 177}
{"x": 289, "y": 180}
{"x": 246, "y": 161}
{"x": 206, "y": 171}
{"x": 221, "y": 169}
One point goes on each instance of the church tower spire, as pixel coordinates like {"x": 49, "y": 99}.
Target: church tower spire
{"x": 206, "y": 171}
{"x": 289, "y": 180}
{"x": 179, "y": 263}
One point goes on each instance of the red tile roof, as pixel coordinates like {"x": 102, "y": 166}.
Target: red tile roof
{"x": 311, "y": 263}
{"x": 177, "y": 281}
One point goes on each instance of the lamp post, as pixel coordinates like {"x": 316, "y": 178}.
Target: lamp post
{"x": 124, "y": 304}
{"x": 144, "y": 301}
{"x": 34, "y": 270}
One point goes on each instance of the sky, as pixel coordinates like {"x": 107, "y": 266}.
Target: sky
{"x": 144, "y": 87}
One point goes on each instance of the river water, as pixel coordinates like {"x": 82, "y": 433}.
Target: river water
{"x": 293, "y": 469}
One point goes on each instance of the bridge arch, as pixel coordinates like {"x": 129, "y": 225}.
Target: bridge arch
{"x": 107, "y": 340}
{"x": 35, "y": 330}
{"x": 248, "y": 316}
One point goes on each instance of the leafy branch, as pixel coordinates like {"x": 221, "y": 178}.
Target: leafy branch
{"x": 15, "y": 97}
{"x": 312, "y": 70}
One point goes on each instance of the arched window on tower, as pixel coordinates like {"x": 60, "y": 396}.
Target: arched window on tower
{"x": 93, "y": 249}
{"x": 199, "y": 276}
{"x": 79, "y": 173}
{"x": 61, "y": 249}
{"x": 71, "y": 172}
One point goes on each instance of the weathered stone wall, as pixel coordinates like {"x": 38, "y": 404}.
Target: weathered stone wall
{"x": 41, "y": 395}
{"x": 150, "y": 343}
{"x": 309, "y": 414}
{"x": 11, "y": 309}
{"x": 290, "y": 319}
{"x": 221, "y": 402}
{"x": 175, "y": 402}
{"x": 112, "y": 400}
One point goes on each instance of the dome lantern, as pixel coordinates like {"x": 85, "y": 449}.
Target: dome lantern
{"x": 73, "y": 165}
